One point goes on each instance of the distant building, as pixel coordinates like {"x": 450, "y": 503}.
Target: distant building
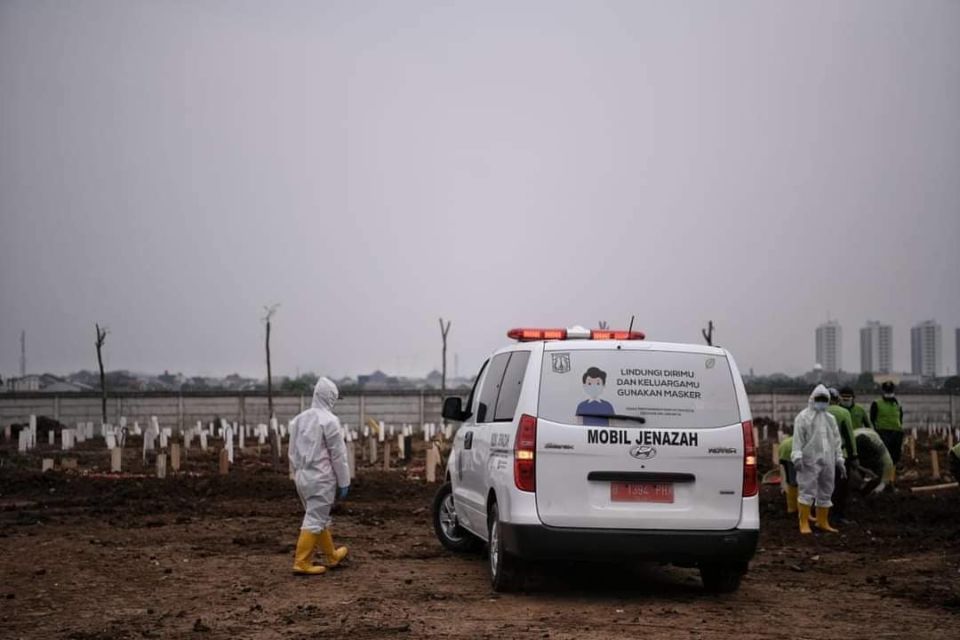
{"x": 925, "y": 349}
{"x": 876, "y": 348}
{"x": 23, "y": 383}
{"x": 378, "y": 380}
{"x": 829, "y": 337}
{"x": 434, "y": 379}
{"x": 45, "y": 382}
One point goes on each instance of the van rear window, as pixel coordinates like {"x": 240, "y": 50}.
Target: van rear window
{"x": 668, "y": 389}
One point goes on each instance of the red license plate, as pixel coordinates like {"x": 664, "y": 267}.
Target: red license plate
{"x": 641, "y": 492}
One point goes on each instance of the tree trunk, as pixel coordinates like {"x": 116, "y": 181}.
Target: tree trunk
{"x": 708, "y": 333}
{"x": 443, "y": 375}
{"x": 101, "y": 337}
{"x": 274, "y": 436}
{"x": 444, "y": 329}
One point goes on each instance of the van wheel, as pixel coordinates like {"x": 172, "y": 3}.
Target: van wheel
{"x": 451, "y": 535}
{"x": 505, "y": 569}
{"x": 719, "y": 578}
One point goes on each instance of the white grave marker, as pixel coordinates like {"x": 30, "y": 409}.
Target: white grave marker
{"x": 228, "y": 441}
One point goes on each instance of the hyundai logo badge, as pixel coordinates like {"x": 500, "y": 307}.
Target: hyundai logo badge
{"x": 643, "y": 452}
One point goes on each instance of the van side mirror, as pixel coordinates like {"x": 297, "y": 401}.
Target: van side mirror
{"x": 453, "y": 410}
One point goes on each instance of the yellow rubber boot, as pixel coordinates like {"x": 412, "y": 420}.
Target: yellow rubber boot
{"x": 303, "y": 561}
{"x": 333, "y": 555}
{"x": 792, "y": 499}
{"x": 804, "y": 518}
{"x": 823, "y": 523}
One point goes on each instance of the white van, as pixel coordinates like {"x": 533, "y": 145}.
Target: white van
{"x": 580, "y": 444}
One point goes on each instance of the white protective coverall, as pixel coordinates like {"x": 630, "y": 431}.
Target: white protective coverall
{"x": 318, "y": 456}
{"x": 817, "y": 450}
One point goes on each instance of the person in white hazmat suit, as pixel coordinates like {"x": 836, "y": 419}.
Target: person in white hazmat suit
{"x": 817, "y": 456}
{"x": 318, "y": 458}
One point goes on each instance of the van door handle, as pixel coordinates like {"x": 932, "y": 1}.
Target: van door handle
{"x": 468, "y": 440}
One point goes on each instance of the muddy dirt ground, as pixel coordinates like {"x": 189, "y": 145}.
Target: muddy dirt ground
{"x": 198, "y": 555}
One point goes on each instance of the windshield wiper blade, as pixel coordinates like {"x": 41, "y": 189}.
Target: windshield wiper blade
{"x": 614, "y": 416}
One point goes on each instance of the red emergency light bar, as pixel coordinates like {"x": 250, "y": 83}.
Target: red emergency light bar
{"x": 532, "y": 335}
{"x": 605, "y": 334}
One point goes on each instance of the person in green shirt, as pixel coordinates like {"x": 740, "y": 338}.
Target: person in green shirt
{"x": 789, "y": 474}
{"x": 858, "y": 415}
{"x": 875, "y": 458}
{"x": 954, "y": 457}
{"x": 841, "y": 488}
{"x": 886, "y": 414}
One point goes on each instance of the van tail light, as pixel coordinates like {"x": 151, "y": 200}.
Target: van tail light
{"x": 524, "y": 452}
{"x": 750, "y": 485}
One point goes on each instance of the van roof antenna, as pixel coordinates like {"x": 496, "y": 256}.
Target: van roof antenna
{"x": 631, "y": 323}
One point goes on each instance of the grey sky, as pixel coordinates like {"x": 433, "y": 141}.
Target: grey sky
{"x": 168, "y": 168}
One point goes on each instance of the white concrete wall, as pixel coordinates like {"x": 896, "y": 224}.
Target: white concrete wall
{"x": 183, "y": 411}
{"x": 397, "y": 408}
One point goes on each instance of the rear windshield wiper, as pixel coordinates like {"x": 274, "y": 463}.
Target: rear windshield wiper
{"x": 613, "y": 416}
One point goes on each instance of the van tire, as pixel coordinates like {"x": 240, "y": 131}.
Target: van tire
{"x": 506, "y": 573}
{"x": 721, "y": 578}
{"x": 450, "y": 534}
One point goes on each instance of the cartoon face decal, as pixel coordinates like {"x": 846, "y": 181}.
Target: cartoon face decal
{"x": 594, "y": 381}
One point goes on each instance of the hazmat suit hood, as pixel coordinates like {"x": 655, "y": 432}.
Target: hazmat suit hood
{"x": 325, "y": 394}
{"x": 819, "y": 390}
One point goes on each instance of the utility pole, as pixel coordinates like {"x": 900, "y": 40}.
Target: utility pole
{"x": 23, "y": 353}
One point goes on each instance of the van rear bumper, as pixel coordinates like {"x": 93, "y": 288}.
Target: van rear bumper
{"x": 537, "y": 542}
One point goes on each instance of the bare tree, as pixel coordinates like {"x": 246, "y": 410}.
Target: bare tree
{"x": 708, "y": 333}
{"x": 444, "y": 330}
{"x": 102, "y": 338}
{"x": 274, "y": 436}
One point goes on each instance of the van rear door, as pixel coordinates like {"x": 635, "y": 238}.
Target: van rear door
{"x": 634, "y": 436}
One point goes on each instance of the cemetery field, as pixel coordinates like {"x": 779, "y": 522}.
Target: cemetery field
{"x": 201, "y": 555}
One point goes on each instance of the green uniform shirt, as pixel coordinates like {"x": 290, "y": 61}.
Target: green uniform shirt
{"x": 785, "y": 448}
{"x": 859, "y": 417}
{"x": 874, "y": 454}
{"x": 955, "y": 451}
{"x": 845, "y": 423}
{"x": 889, "y": 415}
